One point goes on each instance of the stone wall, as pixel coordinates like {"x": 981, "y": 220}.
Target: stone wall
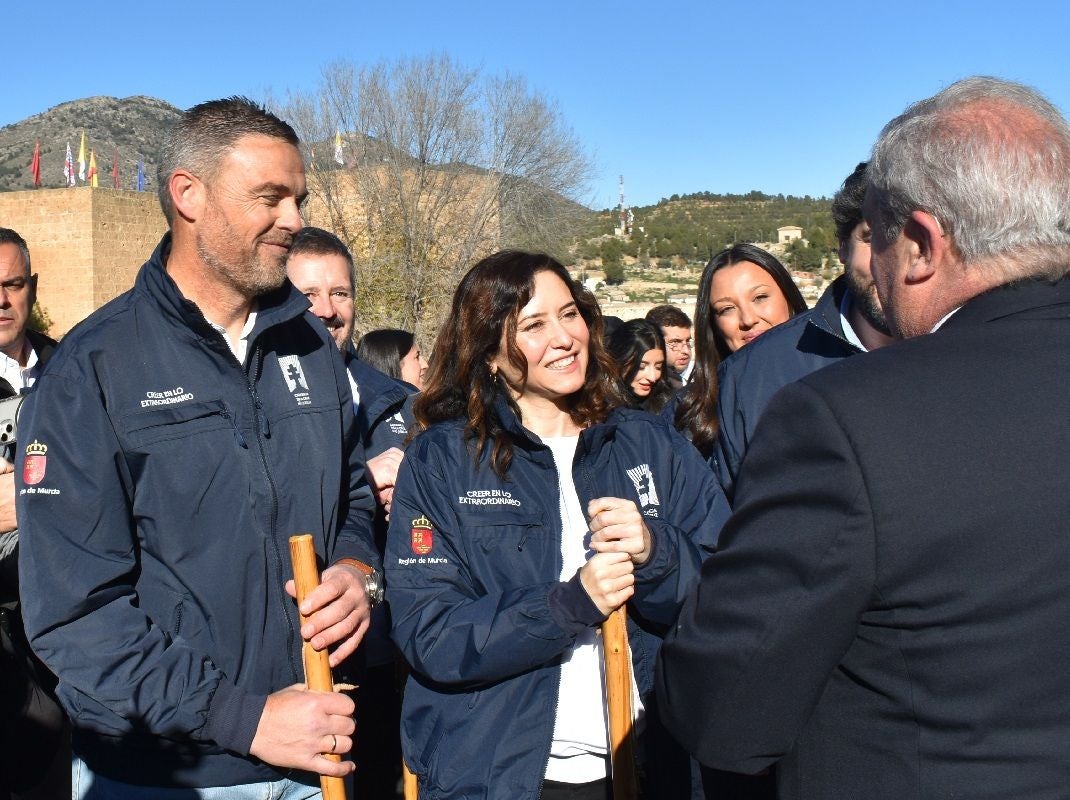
{"x": 86, "y": 244}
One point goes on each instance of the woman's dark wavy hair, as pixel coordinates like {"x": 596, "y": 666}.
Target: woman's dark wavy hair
{"x": 696, "y": 414}
{"x": 627, "y": 345}
{"x": 384, "y": 348}
{"x": 485, "y": 308}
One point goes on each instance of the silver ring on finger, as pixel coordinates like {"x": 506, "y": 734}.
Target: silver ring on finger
{"x": 334, "y": 744}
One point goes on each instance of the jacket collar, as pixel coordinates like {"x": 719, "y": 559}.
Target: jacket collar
{"x": 1010, "y": 299}
{"x": 378, "y": 391}
{"x": 826, "y": 312}
{"x": 591, "y": 437}
{"x": 273, "y": 308}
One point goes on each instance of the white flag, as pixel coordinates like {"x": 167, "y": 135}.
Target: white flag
{"x": 338, "y": 148}
{"x": 68, "y": 167}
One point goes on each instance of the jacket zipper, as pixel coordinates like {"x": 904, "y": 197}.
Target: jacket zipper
{"x": 263, "y": 431}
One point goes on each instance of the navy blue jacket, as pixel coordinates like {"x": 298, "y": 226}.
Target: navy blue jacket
{"x": 383, "y": 416}
{"x": 748, "y": 379}
{"x": 473, "y": 565}
{"x": 161, "y": 480}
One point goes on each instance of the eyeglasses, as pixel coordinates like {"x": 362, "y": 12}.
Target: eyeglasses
{"x": 679, "y": 344}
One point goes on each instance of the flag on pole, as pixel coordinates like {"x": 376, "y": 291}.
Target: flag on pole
{"x": 68, "y": 167}
{"x": 35, "y": 165}
{"x": 115, "y": 170}
{"x": 338, "y": 143}
{"x": 91, "y": 177}
{"x": 81, "y": 159}
{"x": 140, "y": 175}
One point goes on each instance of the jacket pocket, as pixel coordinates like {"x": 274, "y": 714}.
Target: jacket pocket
{"x": 147, "y": 427}
{"x": 505, "y": 552}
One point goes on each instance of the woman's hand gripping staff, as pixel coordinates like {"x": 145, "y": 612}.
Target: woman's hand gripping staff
{"x": 621, "y": 541}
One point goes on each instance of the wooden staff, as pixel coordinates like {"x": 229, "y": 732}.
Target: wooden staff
{"x": 619, "y": 700}
{"x": 317, "y": 663}
{"x": 409, "y": 783}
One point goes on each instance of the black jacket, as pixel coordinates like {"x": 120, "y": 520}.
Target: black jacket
{"x": 886, "y": 616}
{"x": 160, "y": 481}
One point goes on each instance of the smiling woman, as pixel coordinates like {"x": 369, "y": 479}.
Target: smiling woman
{"x": 527, "y": 510}
{"x": 743, "y": 292}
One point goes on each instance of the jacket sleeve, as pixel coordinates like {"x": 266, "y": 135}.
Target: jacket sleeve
{"x": 381, "y": 433}
{"x": 693, "y": 510}
{"x": 451, "y": 628}
{"x": 78, "y": 566}
{"x": 778, "y": 605}
{"x": 731, "y": 441}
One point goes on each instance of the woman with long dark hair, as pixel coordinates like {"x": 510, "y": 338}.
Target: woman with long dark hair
{"x": 395, "y": 353}
{"x": 638, "y": 349}
{"x": 744, "y": 291}
{"x": 527, "y": 510}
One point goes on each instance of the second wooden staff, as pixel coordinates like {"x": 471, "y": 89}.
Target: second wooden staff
{"x": 317, "y": 663}
{"x": 619, "y": 700}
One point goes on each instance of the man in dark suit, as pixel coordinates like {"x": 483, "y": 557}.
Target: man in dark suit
{"x": 888, "y": 614}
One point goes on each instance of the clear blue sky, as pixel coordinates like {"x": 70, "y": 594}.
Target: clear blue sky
{"x": 718, "y": 95}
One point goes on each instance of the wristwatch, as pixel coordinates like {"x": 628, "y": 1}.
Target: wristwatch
{"x": 373, "y": 580}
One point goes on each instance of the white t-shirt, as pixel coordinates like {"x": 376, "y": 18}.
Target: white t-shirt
{"x": 579, "y": 748}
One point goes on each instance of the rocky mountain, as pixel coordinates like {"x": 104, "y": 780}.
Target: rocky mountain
{"x": 133, "y": 127}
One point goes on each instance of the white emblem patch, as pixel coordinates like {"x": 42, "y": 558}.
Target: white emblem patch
{"x": 294, "y": 376}
{"x": 643, "y": 480}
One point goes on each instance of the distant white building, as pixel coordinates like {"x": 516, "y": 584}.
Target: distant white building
{"x": 788, "y": 234}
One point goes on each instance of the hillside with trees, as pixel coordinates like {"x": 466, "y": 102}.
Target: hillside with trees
{"x": 688, "y": 229}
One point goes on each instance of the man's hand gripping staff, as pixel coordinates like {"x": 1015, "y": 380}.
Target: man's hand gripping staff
{"x": 335, "y": 718}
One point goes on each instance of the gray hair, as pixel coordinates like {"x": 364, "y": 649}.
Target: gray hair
{"x": 990, "y": 160}
{"x": 206, "y": 133}
{"x": 9, "y": 236}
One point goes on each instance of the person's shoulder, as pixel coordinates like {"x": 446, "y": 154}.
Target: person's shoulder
{"x": 391, "y": 390}
{"x": 638, "y": 419}
{"x": 879, "y": 373}
{"x": 438, "y": 438}
{"x": 109, "y": 329}
{"x": 645, "y": 427}
{"x": 783, "y": 338}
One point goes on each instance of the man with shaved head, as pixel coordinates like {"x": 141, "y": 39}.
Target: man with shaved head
{"x": 886, "y": 616}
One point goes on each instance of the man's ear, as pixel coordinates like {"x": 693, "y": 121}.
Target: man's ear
{"x": 928, "y": 246}
{"x": 32, "y": 283}
{"x": 187, "y": 194}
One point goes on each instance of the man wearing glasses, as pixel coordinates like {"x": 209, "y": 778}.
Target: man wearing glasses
{"x": 675, "y": 326}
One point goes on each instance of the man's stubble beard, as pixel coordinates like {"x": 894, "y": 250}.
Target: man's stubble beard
{"x": 864, "y": 297}
{"x": 250, "y": 279}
